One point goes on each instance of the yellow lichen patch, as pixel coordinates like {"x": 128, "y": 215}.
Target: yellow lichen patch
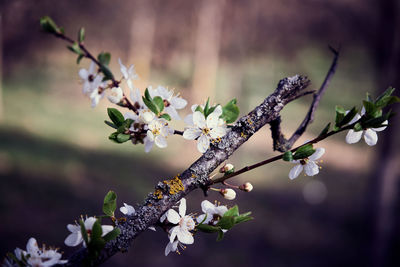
{"x": 216, "y": 140}
{"x": 249, "y": 121}
{"x": 193, "y": 175}
{"x": 158, "y": 194}
{"x": 243, "y": 135}
{"x": 175, "y": 185}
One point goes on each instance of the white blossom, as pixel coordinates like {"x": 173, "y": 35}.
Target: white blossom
{"x": 75, "y": 238}
{"x": 212, "y": 213}
{"x": 171, "y": 102}
{"x": 205, "y": 129}
{"x": 96, "y": 95}
{"x": 116, "y": 95}
{"x": 127, "y": 209}
{"x": 228, "y": 193}
{"x": 370, "y": 135}
{"x": 39, "y": 257}
{"x": 128, "y": 73}
{"x": 184, "y": 224}
{"x": 157, "y": 133}
{"x": 171, "y": 247}
{"x": 90, "y": 78}
{"x": 309, "y": 164}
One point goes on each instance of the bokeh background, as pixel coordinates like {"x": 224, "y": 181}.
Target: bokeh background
{"x": 56, "y": 162}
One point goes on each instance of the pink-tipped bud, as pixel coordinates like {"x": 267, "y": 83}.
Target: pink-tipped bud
{"x": 227, "y": 169}
{"x": 247, "y": 187}
{"x": 228, "y": 193}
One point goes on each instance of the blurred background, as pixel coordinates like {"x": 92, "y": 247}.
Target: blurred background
{"x": 57, "y": 163}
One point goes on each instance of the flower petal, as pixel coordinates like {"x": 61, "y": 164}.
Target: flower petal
{"x": 370, "y": 137}
{"x": 386, "y": 122}
{"x": 199, "y": 120}
{"x": 207, "y": 206}
{"x": 106, "y": 229}
{"x": 84, "y": 74}
{"x": 189, "y": 120}
{"x": 182, "y": 207}
{"x": 212, "y": 120}
{"x": 217, "y": 132}
{"x": 203, "y": 143}
{"x": 311, "y": 168}
{"x": 161, "y": 141}
{"x": 295, "y": 171}
{"x": 353, "y": 136}
{"x": 172, "y": 112}
{"x": 89, "y": 223}
{"x": 356, "y": 117}
{"x": 317, "y": 154}
{"x": 173, "y": 216}
{"x": 174, "y": 232}
{"x": 185, "y": 236}
{"x": 191, "y": 133}
{"x": 148, "y": 144}
{"x": 178, "y": 102}
{"x": 73, "y": 239}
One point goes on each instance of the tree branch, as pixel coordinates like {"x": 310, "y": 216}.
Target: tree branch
{"x": 280, "y": 143}
{"x": 168, "y": 192}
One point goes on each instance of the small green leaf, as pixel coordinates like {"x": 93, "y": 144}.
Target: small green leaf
{"x": 122, "y": 138}
{"x": 78, "y": 60}
{"x": 340, "y": 113}
{"x": 97, "y": 231}
{"x": 48, "y": 25}
{"x": 112, "y": 125}
{"x": 112, "y": 235}
{"x": 304, "y": 152}
{"x": 198, "y": 108}
{"x": 206, "y": 108}
{"x": 81, "y": 35}
{"x": 288, "y": 156}
{"x": 371, "y": 110}
{"x": 230, "y": 112}
{"x": 226, "y": 222}
{"x": 245, "y": 217}
{"x": 348, "y": 117}
{"x": 234, "y": 211}
{"x": 75, "y": 48}
{"x": 358, "y": 127}
{"x": 116, "y": 117}
{"x": 386, "y": 98}
{"x": 159, "y": 103}
{"x": 369, "y": 98}
{"x": 220, "y": 235}
{"x": 325, "y": 130}
{"x": 84, "y": 232}
{"x": 110, "y": 203}
{"x": 107, "y": 73}
{"x": 208, "y": 228}
{"x": 104, "y": 58}
{"x": 150, "y": 105}
{"x": 113, "y": 137}
{"x": 376, "y": 122}
{"x": 166, "y": 116}
{"x": 147, "y": 95}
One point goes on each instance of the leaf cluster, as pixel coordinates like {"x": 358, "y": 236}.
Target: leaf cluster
{"x": 119, "y": 123}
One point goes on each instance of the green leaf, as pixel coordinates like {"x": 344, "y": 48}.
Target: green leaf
{"x": 369, "y": 98}
{"x": 226, "y": 222}
{"x": 245, "y": 217}
{"x": 112, "y": 125}
{"x": 348, "y": 117}
{"x": 104, "y": 58}
{"x": 198, "y": 108}
{"x": 97, "y": 231}
{"x": 371, "y": 110}
{"x": 84, "y": 232}
{"x": 159, "y": 103}
{"x": 358, "y": 127}
{"x": 113, "y": 137}
{"x": 81, "y": 35}
{"x": 230, "y": 112}
{"x": 220, "y": 235}
{"x": 166, "y": 116}
{"x": 107, "y": 73}
{"x": 75, "y": 48}
{"x": 340, "y": 113}
{"x": 288, "y": 156}
{"x": 208, "y": 228}
{"x": 112, "y": 235}
{"x": 48, "y": 25}
{"x": 150, "y": 105}
{"x": 206, "y": 108}
{"x": 78, "y": 60}
{"x": 304, "y": 152}
{"x": 147, "y": 95}
{"x": 14, "y": 258}
{"x": 116, "y": 117}
{"x": 122, "y": 138}
{"x": 386, "y": 98}
{"x": 234, "y": 211}
{"x": 110, "y": 203}
{"x": 325, "y": 130}
{"x": 376, "y": 122}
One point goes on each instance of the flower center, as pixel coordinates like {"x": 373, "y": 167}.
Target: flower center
{"x": 166, "y": 103}
{"x": 156, "y": 131}
{"x": 205, "y": 131}
{"x": 90, "y": 78}
{"x": 304, "y": 161}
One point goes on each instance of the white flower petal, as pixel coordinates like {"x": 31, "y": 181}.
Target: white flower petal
{"x": 106, "y": 229}
{"x": 317, "y": 154}
{"x": 356, "y": 117}
{"x": 32, "y": 247}
{"x": 199, "y": 120}
{"x": 148, "y": 144}
{"x": 189, "y": 120}
{"x": 201, "y": 217}
{"x": 127, "y": 209}
{"x": 386, "y": 122}
{"x": 207, "y": 206}
{"x": 353, "y": 136}
{"x": 92, "y": 67}
{"x": 172, "y": 112}
{"x": 311, "y": 168}
{"x": 185, "y": 237}
{"x": 182, "y": 207}
{"x": 203, "y": 143}
{"x": 89, "y": 223}
{"x": 218, "y": 110}
{"x": 191, "y": 133}
{"x": 173, "y": 216}
{"x": 73, "y": 239}
{"x": 178, "y": 102}
{"x": 212, "y": 120}
{"x": 84, "y": 74}
{"x": 217, "y": 132}
{"x": 173, "y": 233}
{"x": 370, "y": 137}
{"x": 73, "y": 228}
{"x": 161, "y": 141}
{"x": 295, "y": 171}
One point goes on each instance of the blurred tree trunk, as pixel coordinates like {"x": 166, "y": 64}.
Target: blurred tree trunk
{"x": 1, "y": 68}
{"x": 385, "y": 179}
{"x": 142, "y": 32}
{"x": 206, "y": 60}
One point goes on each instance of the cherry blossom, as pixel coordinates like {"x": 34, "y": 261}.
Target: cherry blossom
{"x": 75, "y": 238}
{"x": 184, "y": 223}
{"x": 171, "y": 102}
{"x": 309, "y": 164}
{"x": 128, "y": 73}
{"x": 157, "y": 133}
{"x": 116, "y": 95}
{"x": 212, "y": 213}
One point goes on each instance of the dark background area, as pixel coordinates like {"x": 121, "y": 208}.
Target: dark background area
{"x": 56, "y": 162}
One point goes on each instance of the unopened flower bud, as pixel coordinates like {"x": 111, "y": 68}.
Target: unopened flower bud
{"x": 227, "y": 169}
{"x": 228, "y": 193}
{"x": 247, "y": 187}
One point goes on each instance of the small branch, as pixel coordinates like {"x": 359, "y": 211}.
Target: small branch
{"x": 280, "y": 143}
